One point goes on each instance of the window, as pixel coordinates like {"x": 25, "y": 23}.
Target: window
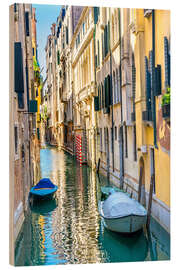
{"x": 27, "y": 23}
{"x": 112, "y": 139}
{"x": 16, "y": 139}
{"x": 104, "y": 139}
{"x": 115, "y": 133}
{"x": 117, "y": 86}
{"x": 21, "y": 100}
{"x": 135, "y": 150}
{"x": 101, "y": 139}
{"x": 126, "y": 143}
{"x": 18, "y": 68}
{"x": 83, "y": 28}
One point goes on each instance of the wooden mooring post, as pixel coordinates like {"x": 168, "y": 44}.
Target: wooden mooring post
{"x": 99, "y": 160}
{"x": 150, "y": 200}
{"x": 140, "y": 184}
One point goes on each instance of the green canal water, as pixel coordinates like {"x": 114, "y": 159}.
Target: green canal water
{"x": 69, "y": 230}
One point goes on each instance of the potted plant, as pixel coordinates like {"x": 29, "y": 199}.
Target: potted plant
{"x": 166, "y": 100}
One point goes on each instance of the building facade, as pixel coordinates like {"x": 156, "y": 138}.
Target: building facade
{"x": 152, "y": 62}
{"x": 24, "y": 153}
{"x": 112, "y": 86}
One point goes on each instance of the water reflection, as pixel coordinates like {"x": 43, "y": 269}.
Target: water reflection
{"x": 68, "y": 229}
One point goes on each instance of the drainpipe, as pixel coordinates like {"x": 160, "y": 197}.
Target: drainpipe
{"x": 112, "y": 135}
{"x": 95, "y": 114}
{"x": 153, "y": 81}
{"x": 120, "y": 72}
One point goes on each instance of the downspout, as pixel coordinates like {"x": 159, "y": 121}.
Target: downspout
{"x": 120, "y": 72}
{"x": 29, "y": 126}
{"x": 153, "y": 81}
{"x": 95, "y": 114}
{"x": 112, "y": 135}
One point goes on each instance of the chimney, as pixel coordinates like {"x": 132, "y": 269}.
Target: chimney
{"x": 53, "y": 29}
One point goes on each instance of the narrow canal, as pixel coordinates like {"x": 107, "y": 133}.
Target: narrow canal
{"x": 68, "y": 229}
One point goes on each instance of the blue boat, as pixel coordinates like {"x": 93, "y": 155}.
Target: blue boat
{"x": 45, "y": 189}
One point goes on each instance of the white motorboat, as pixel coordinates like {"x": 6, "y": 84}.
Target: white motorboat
{"x": 121, "y": 213}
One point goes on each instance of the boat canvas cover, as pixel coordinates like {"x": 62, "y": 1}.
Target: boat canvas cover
{"x": 119, "y": 204}
{"x": 44, "y": 183}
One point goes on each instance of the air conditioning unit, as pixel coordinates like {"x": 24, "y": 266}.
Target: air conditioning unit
{"x": 147, "y": 12}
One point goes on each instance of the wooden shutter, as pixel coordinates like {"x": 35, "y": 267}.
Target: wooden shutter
{"x": 18, "y": 68}
{"x": 110, "y": 89}
{"x": 167, "y": 62}
{"x": 58, "y": 57}
{"x": 105, "y": 41}
{"x": 106, "y": 93}
{"x": 67, "y": 38}
{"x": 27, "y": 85}
{"x": 103, "y": 94}
{"x": 133, "y": 85}
{"x": 108, "y": 37}
{"x": 20, "y": 100}
{"x": 158, "y": 80}
{"x": 33, "y": 106}
{"x": 100, "y": 106}
{"x": 96, "y": 103}
{"x": 148, "y": 86}
{"x": 27, "y": 23}
{"x": 96, "y": 11}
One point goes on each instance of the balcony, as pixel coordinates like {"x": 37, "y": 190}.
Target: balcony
{"x": 147, "y": 116}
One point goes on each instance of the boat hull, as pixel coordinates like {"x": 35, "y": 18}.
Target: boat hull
{"x": 125, "y": 224}
{"x": 128, "y": 224}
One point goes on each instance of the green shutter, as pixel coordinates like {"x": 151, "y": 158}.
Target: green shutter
{"x": 158, "y": 80}
{"x": 103, "y": 94}
{"x": 148, "y": 86}
{"x": 27, "y": 23}
{"x": 58, "y": 57}
{"x": 18, "y": 68}
{"x": 95, "y": 61}
{"x": 67, "y": 38}
{"x": 38, "y": 133}
{"x": 96, "y": 14}
{"x": 106, "y": 96}
{"x": 167, "y": 62}
{"x": 133, "y": 85}
{"x": 99, "y": 94}
{"x": 109, "y": 90}
{"x": 96, "y": 103}
{"x": 33, "y": 106}
{"x": 108, "y": 37}
{"x": 105, "y": 41}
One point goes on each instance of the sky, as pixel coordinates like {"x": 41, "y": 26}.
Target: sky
{"x": 45, "y": 16}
